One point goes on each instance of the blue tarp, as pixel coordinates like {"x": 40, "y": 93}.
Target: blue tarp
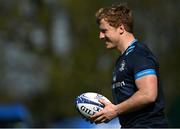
{"x": 13, "y": 112}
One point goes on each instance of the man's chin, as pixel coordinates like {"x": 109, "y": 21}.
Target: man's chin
{"x": 110, "y": 46}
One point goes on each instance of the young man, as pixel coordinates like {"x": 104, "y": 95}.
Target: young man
{"x": 135, "y": 85}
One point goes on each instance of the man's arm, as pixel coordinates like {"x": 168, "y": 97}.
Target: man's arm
{"x": 146, "y": 94}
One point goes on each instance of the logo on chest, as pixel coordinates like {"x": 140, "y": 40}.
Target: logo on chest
{"x": 118, "y": 84}
{"x": 114, "y": 78}
{"x": 122, "y": 65}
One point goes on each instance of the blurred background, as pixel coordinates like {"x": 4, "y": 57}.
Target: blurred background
{"x": 50, "y": 53}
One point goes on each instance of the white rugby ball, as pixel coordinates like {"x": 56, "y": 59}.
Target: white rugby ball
{"x": 88, "y": 103}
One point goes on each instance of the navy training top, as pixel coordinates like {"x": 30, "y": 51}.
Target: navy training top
{"x": 137, "y": 61}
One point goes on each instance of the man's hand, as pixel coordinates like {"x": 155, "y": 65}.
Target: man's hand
{"x": 105, "y": 115}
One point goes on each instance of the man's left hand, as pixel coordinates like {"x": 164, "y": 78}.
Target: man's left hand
{"x": 105, "y": 115}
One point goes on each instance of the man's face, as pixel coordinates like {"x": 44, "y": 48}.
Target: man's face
{"x": 109, "y": 34}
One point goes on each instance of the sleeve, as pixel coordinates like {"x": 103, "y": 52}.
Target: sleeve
{"x": 143, "y": 65}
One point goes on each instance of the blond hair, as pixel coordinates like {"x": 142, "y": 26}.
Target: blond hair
{"x": 116, "y": 15}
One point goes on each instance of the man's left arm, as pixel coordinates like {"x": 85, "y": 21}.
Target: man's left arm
{"x": 146, "y": 94}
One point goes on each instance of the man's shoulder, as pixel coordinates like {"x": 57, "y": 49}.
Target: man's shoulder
{"x": 138, "y": 49}
{"x": 140, "y": 55}
{"x": 141, "y": 49}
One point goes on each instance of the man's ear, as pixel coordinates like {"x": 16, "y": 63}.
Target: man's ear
{"x": 121, "y": 29}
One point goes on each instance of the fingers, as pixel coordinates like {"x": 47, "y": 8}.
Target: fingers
{"x": 105, "y": 121}
{"x": 104, "y": 102}
{"x": 98, "y": 118}
{"x": 96, "y": 115}
{"x": 101, "y": 119}
{"x": 103, "y": 116}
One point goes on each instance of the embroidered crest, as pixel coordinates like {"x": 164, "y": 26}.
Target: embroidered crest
{"x": 122, "y": 65}
{"x": 114, "y": 78}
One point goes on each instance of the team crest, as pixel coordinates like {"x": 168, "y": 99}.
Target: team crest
{"x": 122, "y": 65}
{"x": 114, "y": 78}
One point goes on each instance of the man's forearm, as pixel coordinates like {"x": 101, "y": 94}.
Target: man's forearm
{"x": 135, "y": 102}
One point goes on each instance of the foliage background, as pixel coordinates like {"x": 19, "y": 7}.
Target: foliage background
{"x": 50, "y": 53}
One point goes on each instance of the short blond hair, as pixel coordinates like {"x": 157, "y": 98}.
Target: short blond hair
{"x": 116, "y": 15}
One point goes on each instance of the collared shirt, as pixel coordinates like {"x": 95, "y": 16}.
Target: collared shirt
{"x": 137, "y": 61}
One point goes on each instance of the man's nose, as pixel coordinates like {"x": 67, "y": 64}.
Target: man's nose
{"x": 101, "y": 35}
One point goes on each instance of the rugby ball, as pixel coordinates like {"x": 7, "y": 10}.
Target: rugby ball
{"x": 88, "y": 103}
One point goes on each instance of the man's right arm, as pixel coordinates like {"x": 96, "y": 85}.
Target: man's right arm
{"x": 146, "y": 94}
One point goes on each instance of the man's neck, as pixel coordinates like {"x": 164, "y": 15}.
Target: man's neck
{"x": 125, "y": 42}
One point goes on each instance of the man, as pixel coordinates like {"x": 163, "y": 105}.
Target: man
{"x": 135, "y": 85}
